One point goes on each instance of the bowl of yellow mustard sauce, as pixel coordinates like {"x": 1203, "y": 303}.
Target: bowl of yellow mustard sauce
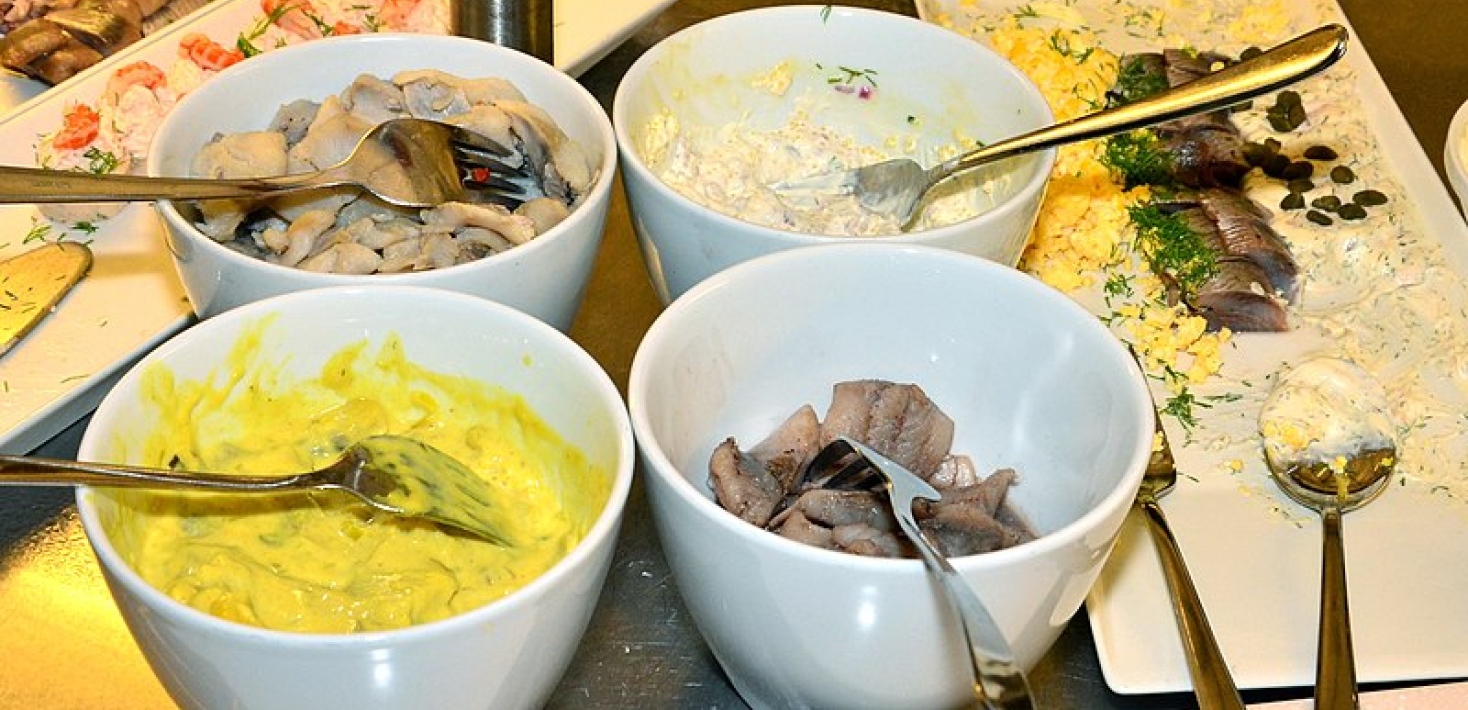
{"x": 313, "y": 599}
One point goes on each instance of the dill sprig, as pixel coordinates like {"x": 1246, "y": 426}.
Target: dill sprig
{"x": 1172, "y": 249}
{"x": 1138, "y": 158}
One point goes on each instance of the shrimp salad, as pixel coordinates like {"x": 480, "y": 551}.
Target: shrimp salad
{"x": 111, "y": 133}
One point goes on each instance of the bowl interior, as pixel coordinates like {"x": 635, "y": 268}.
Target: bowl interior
{"x": 1031, "y": 380}
{"x": 929, "y": 86}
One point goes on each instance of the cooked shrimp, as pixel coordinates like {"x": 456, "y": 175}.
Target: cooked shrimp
{"x": 138, "y": 73}
{"x": 394, "y": 13}
{"x": 302, "y": 19}
{"x": 208, "y": 54}
{"x": 79, "y": 127}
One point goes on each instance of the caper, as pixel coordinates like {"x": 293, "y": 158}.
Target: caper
{"x": 1297, "y": 169}
{"x": 1352, "y": 211}
{"x": 1321, "y": 152}
{"x": 1292, "y": 201}
{"x": 1342, "y": 175}
{"x": 1369, "y": 198}
{"x": 1329, "y": 203}
{"x": 1319, "y": 218}
{"x": 1301, "y": 185}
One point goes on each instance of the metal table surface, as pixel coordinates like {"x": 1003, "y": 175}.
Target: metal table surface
{"x": 65, "y": 646}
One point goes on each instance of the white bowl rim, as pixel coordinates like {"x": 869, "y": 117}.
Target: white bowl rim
{"x": 1454, "y": 157}
{"x": 1119, "y": 498}
{"x": 580, "y": 213}
{"x": 632, "y": 160}
{"x": 602, "y": 531}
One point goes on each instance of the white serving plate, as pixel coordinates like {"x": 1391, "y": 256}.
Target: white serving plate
{"x": 131, "y": 300}
{"x": 1254, "y": 556}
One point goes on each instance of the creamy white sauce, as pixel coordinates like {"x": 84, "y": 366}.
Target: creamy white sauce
{"x": 1322, "y": 409}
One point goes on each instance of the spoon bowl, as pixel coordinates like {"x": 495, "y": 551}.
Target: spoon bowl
{"x": 1329, "y": 443}
{"x": 396, "y": 474}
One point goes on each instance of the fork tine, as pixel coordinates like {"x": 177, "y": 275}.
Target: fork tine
{"x": 480, "y": 142}
{"x": 474, "y": 158}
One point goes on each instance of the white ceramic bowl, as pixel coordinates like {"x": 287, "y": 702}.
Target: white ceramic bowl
{"x": 545, "y": 277}
{"x": 1455, "y": 156}
{"x": 1031, "y": 380}
{"x": 507, "y": 654}
{"x": 707, "y": 75}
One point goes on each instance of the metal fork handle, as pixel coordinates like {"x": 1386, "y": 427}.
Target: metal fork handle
{"x": 32, "y": 471}
{"x": 32, "y": 185}
{"x": 1269, "y": 71}
{"x": 1002, "y": 684}
{"x": 1212, "y": 683}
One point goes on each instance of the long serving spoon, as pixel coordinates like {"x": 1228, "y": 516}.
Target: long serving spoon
{"x": 1212, "y": 683}
{"x": 1329, "y": 442}
{"x": 999, "y": 683}
{"x": 897, "y": 187}
{"x": 397, "y": 474}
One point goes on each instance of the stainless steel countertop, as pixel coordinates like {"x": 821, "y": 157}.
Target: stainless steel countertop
{"x": 65, "y": 645}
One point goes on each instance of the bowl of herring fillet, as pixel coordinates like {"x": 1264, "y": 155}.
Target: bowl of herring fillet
{"x": 1020, "y": 407}
{"x": 303, "y": 108}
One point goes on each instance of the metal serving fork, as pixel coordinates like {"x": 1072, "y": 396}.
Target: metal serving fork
{"x": 998, "y": 681}
{"x": 1212, "y": 683}
{"x": 409, "y": 162}
{"x": 897, "y": 187}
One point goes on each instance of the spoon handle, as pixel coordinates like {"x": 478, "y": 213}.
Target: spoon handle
{"x": 26, "y": 185}
{"x": 1212, "y": 683}
{"x": 1275, "y": 69}
{"x": 32, "y": 471}
{"x": 1335, "y": 664}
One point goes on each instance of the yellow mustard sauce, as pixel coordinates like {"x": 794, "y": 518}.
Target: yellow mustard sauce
{"x": 322, "y": 561}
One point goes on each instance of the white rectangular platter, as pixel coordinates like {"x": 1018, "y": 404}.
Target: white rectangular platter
{"x": 1255, "y": 556}
{"x": 131, "y": 300}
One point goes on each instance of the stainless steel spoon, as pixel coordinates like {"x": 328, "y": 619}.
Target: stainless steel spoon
{"x": 408, "y": 162}
{"x": 998, "y": 680}
{"x": 897, "y": 187}
{"x": 1330, "y": 445}
{"x": 396, "y": 474}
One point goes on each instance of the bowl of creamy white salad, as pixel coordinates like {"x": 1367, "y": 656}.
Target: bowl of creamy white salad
{"x": 1455, "y": 156}
{"x": 709, "y": 119}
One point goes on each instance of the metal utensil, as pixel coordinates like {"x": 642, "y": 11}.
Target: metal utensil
{"x": 1212, "y": 683}
{"x": 897, "y": 187}
{"x": 408, "y": 162}
{"x": 999, "y": 682}
{"x": 526, "y": 25}
{"x": 396, "y": 474}
{"x": 1346, "y": 463}
{"x": 32, "y": 283}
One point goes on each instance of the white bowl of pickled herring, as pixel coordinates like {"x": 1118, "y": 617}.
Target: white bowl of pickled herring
{"x": 1455, "y": 156}
{"x": 437, "y": 623}
{"x": 1030, "y": 380}
{"x": 709, "y": 117}
{"x": 544, "y": 276}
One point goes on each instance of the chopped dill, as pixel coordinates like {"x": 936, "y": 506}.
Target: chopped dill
{"x": 245, "y": 42}
{"x": 1181, "y": 406}
{"x": 100, "y": 162}
{"x": 826, "y": 12}
{"x": 848, "y": 76}
{"x": 85, "y": 227}
{"x": 1172, "y": 249}
{"x": 1138, "y": 158}
{"x": 1135, "y": 81}
{"x": 1118, "y": 285}
{"x": 38, "y": 232}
